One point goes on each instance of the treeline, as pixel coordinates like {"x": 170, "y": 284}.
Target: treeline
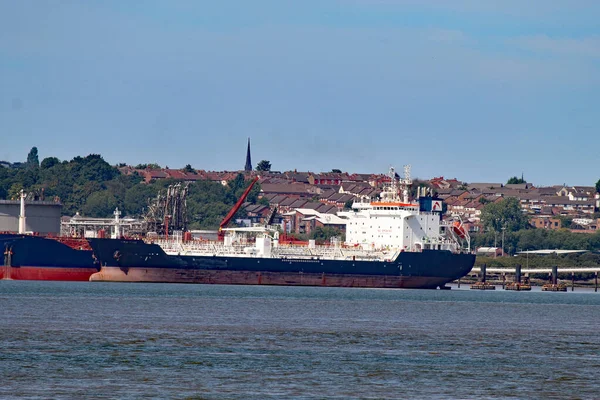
{"x": 538, "y": 239}
{"x": 94, "y": 188}
{"x": 505, "y": 225}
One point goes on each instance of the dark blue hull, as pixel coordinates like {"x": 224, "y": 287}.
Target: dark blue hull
{"x": 26, "y": 257}
{"x": 130, "y": 260}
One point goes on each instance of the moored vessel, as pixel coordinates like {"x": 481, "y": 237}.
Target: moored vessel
{"x": 391, "y": 242}
{"x": 29, "y": 257}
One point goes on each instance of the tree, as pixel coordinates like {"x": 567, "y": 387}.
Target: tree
{"x": 32, "y": 158}
{"x": 100, "y": 204}
{"x": 324, "y": 233}
{"x": 264, "y": 165}
{"x": 92, "y": 168}
{"x": 515, "y": 181}
{"x": 49, "y": 162}
{"x": 336, "y": 171}
{"x": 188, "y": 168}
{"x": 505, "y": 213}
{"x": 14, "y": 192}
{"x": 598, "y": 186}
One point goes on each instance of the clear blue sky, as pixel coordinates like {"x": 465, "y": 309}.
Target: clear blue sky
{"x": 477, "y": 90}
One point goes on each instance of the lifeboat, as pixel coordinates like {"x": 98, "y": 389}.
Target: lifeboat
{"x": 459, "y": 229}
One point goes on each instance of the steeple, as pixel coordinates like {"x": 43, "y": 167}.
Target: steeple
{"x": 248, "y": 166}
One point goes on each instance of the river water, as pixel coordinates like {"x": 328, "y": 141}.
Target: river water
{"x": 124, "y": 341}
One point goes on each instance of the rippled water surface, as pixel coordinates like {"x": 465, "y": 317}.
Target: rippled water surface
{"x": 116, "y": 340}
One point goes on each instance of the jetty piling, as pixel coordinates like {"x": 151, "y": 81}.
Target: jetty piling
{"x": 517, "y": 284}
{"x": 481, "y": 284}
{"x": 554, "y": 286}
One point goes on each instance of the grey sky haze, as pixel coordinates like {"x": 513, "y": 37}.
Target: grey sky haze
{"x": 466, "y": 89}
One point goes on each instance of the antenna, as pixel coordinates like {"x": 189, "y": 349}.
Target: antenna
{"x": 405, "y": 183}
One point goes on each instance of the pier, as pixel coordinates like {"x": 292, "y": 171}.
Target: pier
{"x": 519, "y": 284}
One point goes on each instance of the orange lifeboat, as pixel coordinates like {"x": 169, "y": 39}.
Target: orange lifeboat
{"x": 459, "y": 229}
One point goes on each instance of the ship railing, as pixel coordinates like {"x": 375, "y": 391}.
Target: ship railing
{"x": 333, "y": 253}
{"x": 204, "y": 248}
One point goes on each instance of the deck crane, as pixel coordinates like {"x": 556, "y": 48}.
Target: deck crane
{"x": 235, "y": 209}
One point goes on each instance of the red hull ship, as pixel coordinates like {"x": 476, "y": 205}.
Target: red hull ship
{"x": 27, "y": 257}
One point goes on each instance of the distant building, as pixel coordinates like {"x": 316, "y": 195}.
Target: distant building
{"x": 545, "y": 222}
{"x": 42, "y": 217}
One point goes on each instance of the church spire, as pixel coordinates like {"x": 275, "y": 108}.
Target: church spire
{"x": 248, "y": 166}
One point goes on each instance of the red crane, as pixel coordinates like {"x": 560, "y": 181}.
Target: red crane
{"x": 235, "y": 208}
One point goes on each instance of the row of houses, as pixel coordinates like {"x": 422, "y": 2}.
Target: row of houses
{"x": 544, "y": 204}
{"x": 310, "y": 178}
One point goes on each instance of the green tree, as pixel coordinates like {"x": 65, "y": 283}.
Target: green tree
{"x": 506, "y": 213}
{"x": 336, "y": 171}
{"x": 565, "y": 221}
{"x": 515, "y": 181}
{"x": 92, "y": 168}
{"x": 49, "y": 162}
{"x": 598, "y": 186}
{"x": 32, "y": 158}
{"x": 188, "y": 168}
{"x": 136, "y": 199}
{"x": 14, "y": 192}
{"x": 100, "y": 204}
{"x": 264, "y": 165}
{"x": 325, "y": 233}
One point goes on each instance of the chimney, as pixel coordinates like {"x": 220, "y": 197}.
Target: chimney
{"x": 22, "y": 225}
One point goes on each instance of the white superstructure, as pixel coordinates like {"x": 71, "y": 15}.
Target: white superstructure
{"x": 392, "y": 222}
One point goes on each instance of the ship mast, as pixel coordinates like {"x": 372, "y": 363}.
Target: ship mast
{"x": 405, "y": 184}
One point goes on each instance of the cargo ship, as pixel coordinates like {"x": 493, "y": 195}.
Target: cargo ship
{"x": 29, "y": 257}
{"x": 391, "y": 242}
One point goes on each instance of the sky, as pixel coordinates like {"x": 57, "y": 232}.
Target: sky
{"x": 475, "y": 90}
